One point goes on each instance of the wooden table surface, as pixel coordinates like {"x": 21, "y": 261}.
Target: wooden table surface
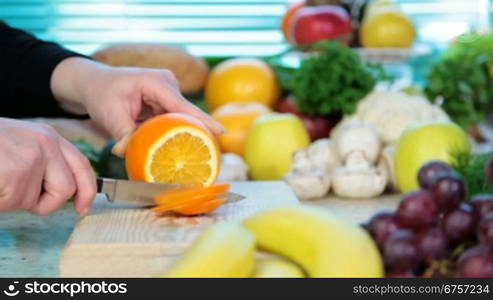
{"x": 30, "y": 246}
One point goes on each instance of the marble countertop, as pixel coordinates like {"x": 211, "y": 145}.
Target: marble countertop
{"x": 30, "y": 245}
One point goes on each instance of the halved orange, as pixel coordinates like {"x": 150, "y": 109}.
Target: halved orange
{"x": 173, "y": 148}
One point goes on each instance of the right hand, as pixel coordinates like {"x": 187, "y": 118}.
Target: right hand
{"x": 40, "y": 170}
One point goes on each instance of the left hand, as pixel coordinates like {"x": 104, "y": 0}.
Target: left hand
{"x": 119, "y": 98}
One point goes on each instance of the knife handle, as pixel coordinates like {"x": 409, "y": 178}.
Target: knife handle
{"x": 106, "y": 186}
{"x": 99, "y": 182}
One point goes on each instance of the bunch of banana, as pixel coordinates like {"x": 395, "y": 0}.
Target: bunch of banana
{"x": 222, "y": 250}
{"x": 277, "y": 268}
{"x": 321, "y": 243}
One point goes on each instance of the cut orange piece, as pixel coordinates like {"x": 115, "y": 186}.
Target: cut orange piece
{"x": 197, "y": 200}
{"x": 179, "y": 195}
{"x": 203, "y": 208}
{"x": 173, "y": 148}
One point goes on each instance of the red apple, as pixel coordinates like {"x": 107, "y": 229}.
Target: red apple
{"x": 287, "y": 106}
{"x": 489, "y": 171}
{"x": 288, "y": 18}
{"x": 325, "y": 22}
{"x": 317, "y": 126}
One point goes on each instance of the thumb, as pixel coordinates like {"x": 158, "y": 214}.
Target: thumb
{"x": 120, "y": 147}
{"x": 122, "y": 131}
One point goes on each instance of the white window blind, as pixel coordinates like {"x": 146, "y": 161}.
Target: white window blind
{"x": 207, "y": 27}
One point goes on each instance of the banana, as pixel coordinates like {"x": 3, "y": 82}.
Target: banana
{"x": 277, "y": 268}
{"x": 322, "y": 243}
{"x": 222, "y": 250}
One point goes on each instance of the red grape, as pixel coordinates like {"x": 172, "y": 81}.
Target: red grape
{"x": 459, "y": 224}
{"x": 381, "y": 226}
{"x": 430, "y": 172}
{"x": 482, "y": 204}
{"x": 432, "y": 243}
{"x": 417, "y": 209}
{"x": 489, "y": 170}
{"x": 448, "y": 191}
{"x": 476, "y": 262}
{"x": 400, "y": 251}
{"x": 400, "y": 274}
{"x": 485, "y": 229}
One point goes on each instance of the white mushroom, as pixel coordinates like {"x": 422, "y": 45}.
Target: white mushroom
{"x": 308, "y": 186}
{"x": 233, "y": 168}
{"x": 386, "y": 164}
{"x": 323, "y": 154}
{"x": 358, "y": 179}
{"x": 301, "y": 163}
{"x": 320, "y": 156}
{"x": 358, "y": 137}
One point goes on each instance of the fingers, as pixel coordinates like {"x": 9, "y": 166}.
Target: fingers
{"x": 125, "y": 125}
{"x": 42, "y": 170}
{"x": 83, "y": 175}
{"x": 122, "y": 133}
{"x": 188, "y": 108}
{"x": 171, "y": 99}
{"x": 58, "y": 183}
{"x": 163, "y": 95}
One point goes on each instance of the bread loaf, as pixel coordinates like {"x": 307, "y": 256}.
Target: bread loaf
{"x": 190, "y": 71}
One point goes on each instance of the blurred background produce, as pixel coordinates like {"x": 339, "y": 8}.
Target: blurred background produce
{"x": 438, "y": 231}
{"x": 386, "y": 63}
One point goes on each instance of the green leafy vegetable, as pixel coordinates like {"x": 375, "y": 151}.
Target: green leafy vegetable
{"x": 472, "y": 168}
{"x": 463, "y": 78}
{"x": 332, "y": 81}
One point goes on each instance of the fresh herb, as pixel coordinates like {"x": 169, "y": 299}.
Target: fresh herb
{"x": 472, "y": 169}
{"x": 332, "y": 80}
{"x": 463, "y": 79}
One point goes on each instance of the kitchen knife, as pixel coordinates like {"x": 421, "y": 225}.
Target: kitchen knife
{"x": 140, "y": 192}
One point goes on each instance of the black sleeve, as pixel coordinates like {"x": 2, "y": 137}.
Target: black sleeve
{"x": 26, "y": 65}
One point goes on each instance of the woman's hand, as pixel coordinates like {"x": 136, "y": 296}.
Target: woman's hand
{"x": 119, "y": 98}
{"x": 40, "y": 170}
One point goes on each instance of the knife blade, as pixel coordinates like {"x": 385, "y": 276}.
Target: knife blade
{"x": 140, "y": 192}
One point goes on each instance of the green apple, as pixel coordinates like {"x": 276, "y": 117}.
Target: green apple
{"x": 423, "y": 142}
{"x": 270, "y": 144}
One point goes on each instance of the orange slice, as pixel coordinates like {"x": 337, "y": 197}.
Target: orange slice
{"x": 197, "y": 200}
{"x": 203, "y": 208}
{"x": 179, "y": 195}
{"x": 173, "y": 148}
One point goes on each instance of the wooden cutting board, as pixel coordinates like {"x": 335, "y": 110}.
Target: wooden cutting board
{"x": 123, "y": 241}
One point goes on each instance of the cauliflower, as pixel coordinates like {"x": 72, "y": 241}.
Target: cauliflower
{"x": 392, "y": 112}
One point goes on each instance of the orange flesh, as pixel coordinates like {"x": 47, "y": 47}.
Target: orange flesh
{"x": 205, "y": 207}
{"x": 183, "y": 158}
{"x": 191, "y": 201}
{"x": 185, "y": 203}
{"x": 181, "y": 194}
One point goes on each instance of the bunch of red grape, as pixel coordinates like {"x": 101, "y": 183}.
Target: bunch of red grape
{"x": 435, "y": 232}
